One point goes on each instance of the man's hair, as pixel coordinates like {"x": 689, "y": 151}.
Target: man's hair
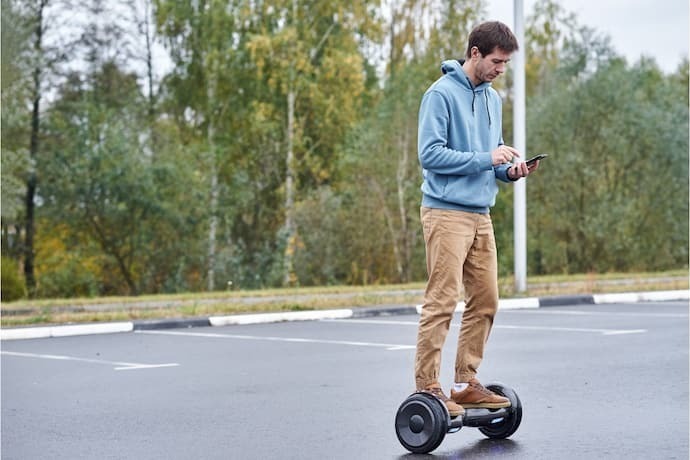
{"x": 489, "y": 35}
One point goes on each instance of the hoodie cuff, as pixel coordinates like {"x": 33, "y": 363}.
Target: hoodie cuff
{"x": 502, "y": 173}
{"x": 485, "y": 161}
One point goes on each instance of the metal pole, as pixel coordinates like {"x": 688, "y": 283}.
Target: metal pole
{"x": 520, "y": 187}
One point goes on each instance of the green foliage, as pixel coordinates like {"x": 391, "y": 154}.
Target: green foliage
{"x": 15, "y": 118}
{"x": 13, "y": 287}
{"x": 613, "y": 194}
{"x": 101, "y": 179}
{"x": 189, "y": 190}
{"x": 549, "y": 27}
{"x": 381, "y": 181}
{"x": 231, "y": 137}
{"x": 66, "y": 277}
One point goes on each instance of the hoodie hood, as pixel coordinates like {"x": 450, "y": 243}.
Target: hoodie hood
{"x": 453, "y": 69}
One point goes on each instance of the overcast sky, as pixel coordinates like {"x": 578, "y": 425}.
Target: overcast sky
{"x": 655, "y": 28}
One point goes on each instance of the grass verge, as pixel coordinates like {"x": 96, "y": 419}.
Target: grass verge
{"x": 105, "y": 309}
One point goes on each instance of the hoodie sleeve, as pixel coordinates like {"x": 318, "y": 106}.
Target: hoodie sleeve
{"x": 432, "y": 143}
{"x": 501, "y": 171}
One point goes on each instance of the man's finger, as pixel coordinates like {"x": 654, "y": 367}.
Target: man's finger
{"x": 512, "y": 150}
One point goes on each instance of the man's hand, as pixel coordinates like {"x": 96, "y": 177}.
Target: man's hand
{"x": 520, "y": 169}
{"x": 503, "y": 154}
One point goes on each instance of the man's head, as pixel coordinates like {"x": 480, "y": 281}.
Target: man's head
{"x": 489, "y": 48}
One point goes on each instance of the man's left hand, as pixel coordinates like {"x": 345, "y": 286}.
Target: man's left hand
{"x": 520, "y": 169}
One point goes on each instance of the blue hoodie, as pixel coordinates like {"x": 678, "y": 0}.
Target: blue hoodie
{"x": 459, "y": 127}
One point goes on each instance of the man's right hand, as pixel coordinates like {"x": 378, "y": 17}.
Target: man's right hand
{"x": 503, "y": 154}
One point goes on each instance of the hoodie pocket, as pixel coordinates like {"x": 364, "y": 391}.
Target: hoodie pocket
{"x": 444, "y": 184}
{"x": 478, "y": 190}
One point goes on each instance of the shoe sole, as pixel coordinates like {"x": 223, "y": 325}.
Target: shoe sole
{"x": 485, "y": 405}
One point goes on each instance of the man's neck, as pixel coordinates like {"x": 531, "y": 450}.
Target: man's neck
{"x": 468, "y": 68}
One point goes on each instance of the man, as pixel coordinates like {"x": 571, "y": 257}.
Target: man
{"x": 462, "y": 154}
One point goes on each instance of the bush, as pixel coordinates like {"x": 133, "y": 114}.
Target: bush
{"x": 13, "y": 287}
{"x": 70, "y": 277}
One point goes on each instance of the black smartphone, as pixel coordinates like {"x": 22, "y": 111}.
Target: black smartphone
{"x": 536, "y": 158}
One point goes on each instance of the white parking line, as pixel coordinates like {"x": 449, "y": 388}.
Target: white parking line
{"x": 574, "y": 329}
{"x": 387, "y": 346}
{"x": 501, "y": 326}
{"x": 597, "y": 313}
{"x": 120, "y": 366}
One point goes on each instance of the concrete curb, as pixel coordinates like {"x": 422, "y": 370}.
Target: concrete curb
{"x": 263, "y": 318}
{"x": 64, "y": 331}
{"x": 559, "y": 301}
{"x": 171, "y": 323}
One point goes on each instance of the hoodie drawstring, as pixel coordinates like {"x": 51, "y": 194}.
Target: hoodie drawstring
{"x": 474, "y": 94}
{"x": 486, "y": 98}
{"x": 488, "y": 113}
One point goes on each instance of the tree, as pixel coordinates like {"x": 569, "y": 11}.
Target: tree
{"x": 15, "y": 155}
{"x": 39, "y": 58}
{"x": 549, "y": 27}
{"x": 306, "y": 54}
{"x": 610, "y": 200}
{"x": 381, "y": 154}
{"x": 99, "y": 180}
{"x": 142, "y": 17}
{"x": 381, "y": 164}
{"x": 39, "y": 8}
{"x": 15, "y": 124}
{"x": 209, "y": 98}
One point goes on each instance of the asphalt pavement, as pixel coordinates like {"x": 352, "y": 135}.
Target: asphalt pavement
{"x": 596, "y": 381}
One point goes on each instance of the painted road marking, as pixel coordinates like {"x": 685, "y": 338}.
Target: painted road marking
{"x": 575, "y": 329}
{"x": 600, "y": 313}
{"x": 119, "y": 366}
{"x": 501, "y": 326}
{"x": 387, "y": 346}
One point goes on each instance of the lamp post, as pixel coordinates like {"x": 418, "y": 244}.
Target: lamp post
{"x": 519, "y": 135}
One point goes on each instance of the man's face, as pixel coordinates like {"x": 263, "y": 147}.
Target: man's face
{"x": 488, "y": 67}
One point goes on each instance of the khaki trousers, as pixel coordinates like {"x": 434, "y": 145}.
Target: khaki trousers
{"x": 460, "y": 251}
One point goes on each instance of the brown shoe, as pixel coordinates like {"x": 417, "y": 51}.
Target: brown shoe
{"x": 454, "y": 409}
{"x": 476, "y": 396}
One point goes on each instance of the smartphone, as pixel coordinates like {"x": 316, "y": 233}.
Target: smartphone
{"x": 536, "y": 158}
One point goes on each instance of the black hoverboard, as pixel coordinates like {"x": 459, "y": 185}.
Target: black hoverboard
{"x": 423, "y": 420}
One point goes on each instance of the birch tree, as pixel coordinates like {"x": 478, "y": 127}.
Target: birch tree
{"x": 204, "y": 38}
{"x": 16, "y": 87}
{"x": 307, "y": 54}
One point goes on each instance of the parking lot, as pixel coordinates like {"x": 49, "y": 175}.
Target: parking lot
{"x": 604, "y": 381}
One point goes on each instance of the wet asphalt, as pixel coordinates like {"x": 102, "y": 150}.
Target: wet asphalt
{"x": 596, "y": 381}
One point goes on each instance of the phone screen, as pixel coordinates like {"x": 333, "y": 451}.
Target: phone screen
{"x": 536, "y": 158}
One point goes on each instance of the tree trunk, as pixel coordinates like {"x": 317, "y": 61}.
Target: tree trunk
{"x": 289, "y": 278}
{"x": 149, "y": 61}
{"x": 401, "y": 176}
{"x": 32, "y": 181}
{"x": 112, "y": 249}
{"x": 29, "y": 233}
{"x": 390, "y": 224}
{"x": 214, "y": 192}
{"x": 213, "y": 224}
